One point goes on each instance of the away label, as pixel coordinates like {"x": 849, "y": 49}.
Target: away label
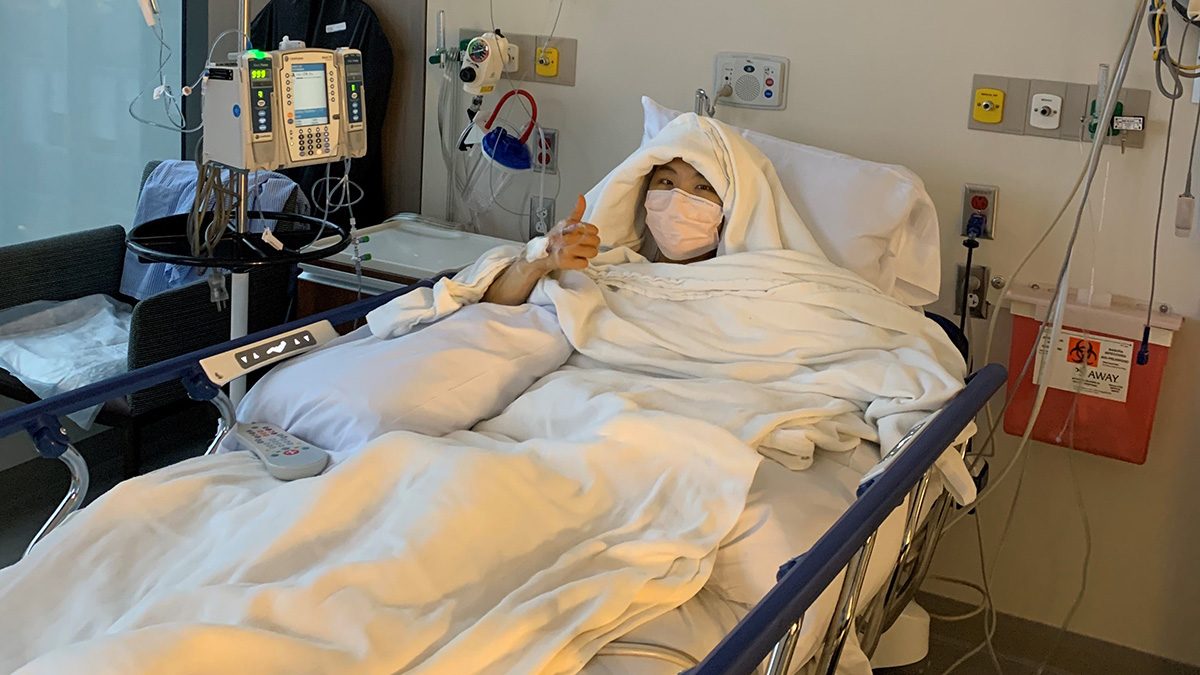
{"x": 1092, "y": 365}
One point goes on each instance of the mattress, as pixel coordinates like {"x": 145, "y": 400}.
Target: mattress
{"x": 786, "y": 513}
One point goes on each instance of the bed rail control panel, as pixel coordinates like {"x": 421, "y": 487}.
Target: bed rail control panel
{"x": 228, "y": 366}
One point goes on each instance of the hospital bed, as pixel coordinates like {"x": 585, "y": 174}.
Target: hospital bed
{"x": 884, "y": 540}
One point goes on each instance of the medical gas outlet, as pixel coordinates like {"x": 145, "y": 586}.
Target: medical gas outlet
{"x": 1050, "y": 109}
{"x": 1046, "y": 112}
{"x": 989, "y": 106}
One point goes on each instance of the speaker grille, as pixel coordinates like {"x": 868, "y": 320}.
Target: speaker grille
{"x": 747, "y": 88}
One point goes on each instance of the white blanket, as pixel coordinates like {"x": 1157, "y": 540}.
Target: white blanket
{"x": 465, "y": 554}
{"x": 783, "y": 349}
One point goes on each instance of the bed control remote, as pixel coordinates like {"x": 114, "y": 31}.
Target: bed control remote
{"x": 285, "y": 456}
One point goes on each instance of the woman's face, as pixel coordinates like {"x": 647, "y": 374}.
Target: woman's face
{"x": 679, "y": 174}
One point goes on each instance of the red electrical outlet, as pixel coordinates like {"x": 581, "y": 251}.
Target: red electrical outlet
{"x": 545, "y": 150}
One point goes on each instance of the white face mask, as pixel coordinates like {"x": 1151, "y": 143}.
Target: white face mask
{"x": 684, "y": 226}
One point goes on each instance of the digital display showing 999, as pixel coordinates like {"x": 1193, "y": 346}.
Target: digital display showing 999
{"x": 260, "y": 71}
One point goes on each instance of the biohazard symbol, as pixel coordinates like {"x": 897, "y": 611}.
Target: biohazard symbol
{"x": 1083, "y": 351}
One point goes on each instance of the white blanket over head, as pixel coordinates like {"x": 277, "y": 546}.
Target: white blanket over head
{"x": 757, "y": 213}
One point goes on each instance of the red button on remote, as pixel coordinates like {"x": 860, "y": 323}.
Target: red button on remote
{"x": 770, "y": 82}
{"x": 293, "y": 451}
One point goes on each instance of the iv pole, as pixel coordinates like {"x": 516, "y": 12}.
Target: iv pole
{"x": 239, "y": 292}
{"x": 155, "y": 240}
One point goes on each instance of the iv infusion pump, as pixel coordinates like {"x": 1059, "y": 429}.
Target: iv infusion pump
{"x": 285, "y": 108}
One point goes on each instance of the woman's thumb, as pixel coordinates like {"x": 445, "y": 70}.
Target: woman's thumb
{"x": 580, "y": 207}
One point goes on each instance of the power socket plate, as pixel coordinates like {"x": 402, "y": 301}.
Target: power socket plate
{"x": 541, "y": 216}
{"x": 977, "y": 304}
{"x": 544, "y": 158}
{"x": 980, "y": 199}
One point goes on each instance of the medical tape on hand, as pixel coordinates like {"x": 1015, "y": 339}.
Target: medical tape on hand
{"x": 537, "y": 249}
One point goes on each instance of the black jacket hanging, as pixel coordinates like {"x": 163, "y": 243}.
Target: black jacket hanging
{"x": 329, "y": 24}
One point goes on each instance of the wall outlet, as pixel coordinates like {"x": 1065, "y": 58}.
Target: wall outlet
{"x": 541, "y": 216}
{"x": 979, "y": 201}
{"x": 977, "y": 304}
{"x": 544, "y": 148}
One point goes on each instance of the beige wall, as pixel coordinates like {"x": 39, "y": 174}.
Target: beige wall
{"x": 890, "y": 81}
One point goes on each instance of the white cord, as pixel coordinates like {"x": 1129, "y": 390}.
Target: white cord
{"x": 647, "y": 650}
{"x": 1086, "y": 523}
{"x": 492, "y": 185}
{"x": 975, "y": 610}
{"x": 522, "y": 213}
{"x": 988, "y": 609}
{"x": 557, "y": 14}
{"x": 171, "y": 108}
{"x": 1057, "y": 305}
{"x": 340, "y": 192}
{"x": 176, "y": 120}
{"x": 1054, "y": 317}
{"x": 1012, "y": 510}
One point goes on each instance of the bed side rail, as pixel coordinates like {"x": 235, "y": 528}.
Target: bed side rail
{"x": 774, "y": 621}
{"x": 186, "y": 366}
{"x": 202, "y": 372}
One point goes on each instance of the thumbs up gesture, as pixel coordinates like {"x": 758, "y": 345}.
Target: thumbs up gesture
{"x": 572, "y": 242}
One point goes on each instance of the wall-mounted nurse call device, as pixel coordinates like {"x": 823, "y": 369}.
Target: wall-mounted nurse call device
{"x": 756, "y": 80}
{"x": 285, "y": 108}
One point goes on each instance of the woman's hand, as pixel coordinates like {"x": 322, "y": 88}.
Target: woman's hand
{"x": 572, "y": 242}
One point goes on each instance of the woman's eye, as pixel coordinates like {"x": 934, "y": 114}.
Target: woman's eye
{"x": 665, "y": 181}
{"x": 706, "y": 188}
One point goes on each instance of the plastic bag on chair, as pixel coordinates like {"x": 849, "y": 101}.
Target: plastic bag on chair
{"x": 57, "y": 346}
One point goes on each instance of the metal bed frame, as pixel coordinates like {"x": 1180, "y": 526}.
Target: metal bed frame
{"x": 769, "y": 631}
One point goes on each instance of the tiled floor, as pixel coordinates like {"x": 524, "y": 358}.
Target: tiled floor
{"x": 1024, "y": 648}
{"x": 32, "y": 490}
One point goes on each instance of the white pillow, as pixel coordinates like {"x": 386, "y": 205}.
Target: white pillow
{"x": 440, "y": 378}
{"x": 873, "y": 219}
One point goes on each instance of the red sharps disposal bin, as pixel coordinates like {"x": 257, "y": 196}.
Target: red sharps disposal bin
{"x": 1094, "y": 369}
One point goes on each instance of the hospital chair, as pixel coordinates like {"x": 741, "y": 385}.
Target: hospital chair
{"x": 171, "y": 323}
